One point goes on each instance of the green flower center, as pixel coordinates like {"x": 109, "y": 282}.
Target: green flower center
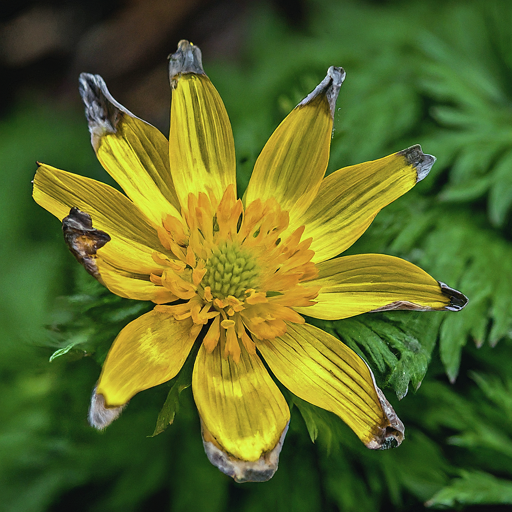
{"x": 230, "y": 270}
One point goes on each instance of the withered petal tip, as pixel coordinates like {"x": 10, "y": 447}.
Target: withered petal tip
{"x": 393, "y": 434}
{"x": 100, "y": 416}
{"x": 260, "y": 470}
{"x": 337, "y": 74}
{"x": 458, "y": 300}
{"x": 102, "y": 111}
{"x": 329, "y": 86}
{"x": 187, "y": 59}
{"x": 419, "y": 160}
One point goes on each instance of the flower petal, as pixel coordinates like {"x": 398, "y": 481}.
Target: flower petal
{"x": 132, "y": 286}
{"x": 352, "y": 285}
{"x": 320, "y": 369}
{"x": 100, "y": 416}
{"x": 147, "y": 352}
{"x": 292, "y": 164}
{"x": 241, "y": 407}
{"x": 132, "y": 151}
{"x": 133, "y": 237}
{"x": 242, "y": 471}
{"x": 84, "y": 242}
{"x": 350, "y": 198}
{"x": 201, "y": 145}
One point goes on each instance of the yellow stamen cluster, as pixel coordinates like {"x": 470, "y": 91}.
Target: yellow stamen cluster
{"x": 238, "y": 268}
{"x": 230, "y": 271}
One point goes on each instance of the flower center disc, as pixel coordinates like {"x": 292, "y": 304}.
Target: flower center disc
{"x": 231, "y": 270}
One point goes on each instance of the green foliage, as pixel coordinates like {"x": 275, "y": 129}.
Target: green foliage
{"x": 472, "y": 258}
{"x": 438, "y": 73}
{"x": 473, "y": 488}
{"x": 88, "y": 321}
{"x": 178, "y": 385}
{"x": 397, "y": 346}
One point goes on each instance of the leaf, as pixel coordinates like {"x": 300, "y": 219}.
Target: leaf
{"x": 474, "y": 104}
{"x": 397, "y": 345}
{"x": 91, "y": 318}
{"x": 497, "y": 391}
{"x": 473, "y": 488}
{"x": 456, "y": 248}
{"x": 73, "y": 342}
{"x": 500, "y": 197}
{"x": 477, "y": 262}
{"x": 466, "y": 192}
{"x": 172, "y": 403}
{"x": 320, "y": 424}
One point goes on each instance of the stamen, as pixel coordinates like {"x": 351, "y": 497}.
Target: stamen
{"x": 236, "y": 269}
{"x": 176, "y": 229}
{"x": 232, "y": 347}
{"x": 212, "y": 336}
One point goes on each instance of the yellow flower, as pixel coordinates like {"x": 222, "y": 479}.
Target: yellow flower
{"x": 239, "y": 271}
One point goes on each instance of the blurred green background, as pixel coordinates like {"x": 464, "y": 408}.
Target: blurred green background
{"x": 433, "y": 72}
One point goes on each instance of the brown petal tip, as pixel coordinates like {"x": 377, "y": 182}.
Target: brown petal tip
{"x": 83, "y": 240}
{"x": 391, "y": 434}
{"x": 100, "y": 416}
{"x": 458, "y": 300}
{"x": 242, "y": 471}
{"x": 187, "y": 59}
{"x": 102, "y": 111}
{"x": 329, "y": 86}
{"x": 419, "y": 160}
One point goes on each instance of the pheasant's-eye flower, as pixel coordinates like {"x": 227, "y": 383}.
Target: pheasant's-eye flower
{"x": 237, "y": 274}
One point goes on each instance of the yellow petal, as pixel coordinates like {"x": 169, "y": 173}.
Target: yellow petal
{"x": 241, "y": 471}
{"x": 320, "y": 369}
{"x": 349, "y": 199}
{"x": 133, "y": 237}
{"x": 239, "y": 404}
{"x": 352, "y": 285}
{"x": 132, "y": 286}
{"x": 147, "y": 352}
{"x": 201, "y": 146}
{"x": 293, "y": 162}
{"x": 132, "y": 151}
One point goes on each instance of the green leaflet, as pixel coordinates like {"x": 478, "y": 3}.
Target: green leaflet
{"x": 466, "y": 79}
{"x": 456, "y": 248}
{"x": 321, "y": 424}
{"x": 81, "y": 338}
{"x": 397, "y": 347}
{"x": 480, "y": 263}
{"x": 481, "y": 432}
{"x": 88, "y": 321}
{"x": 172, "y": 402}
{"x": 497, "y": 391}
{"x": 473, "y": 488}
{"x": 418, "y": 466}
